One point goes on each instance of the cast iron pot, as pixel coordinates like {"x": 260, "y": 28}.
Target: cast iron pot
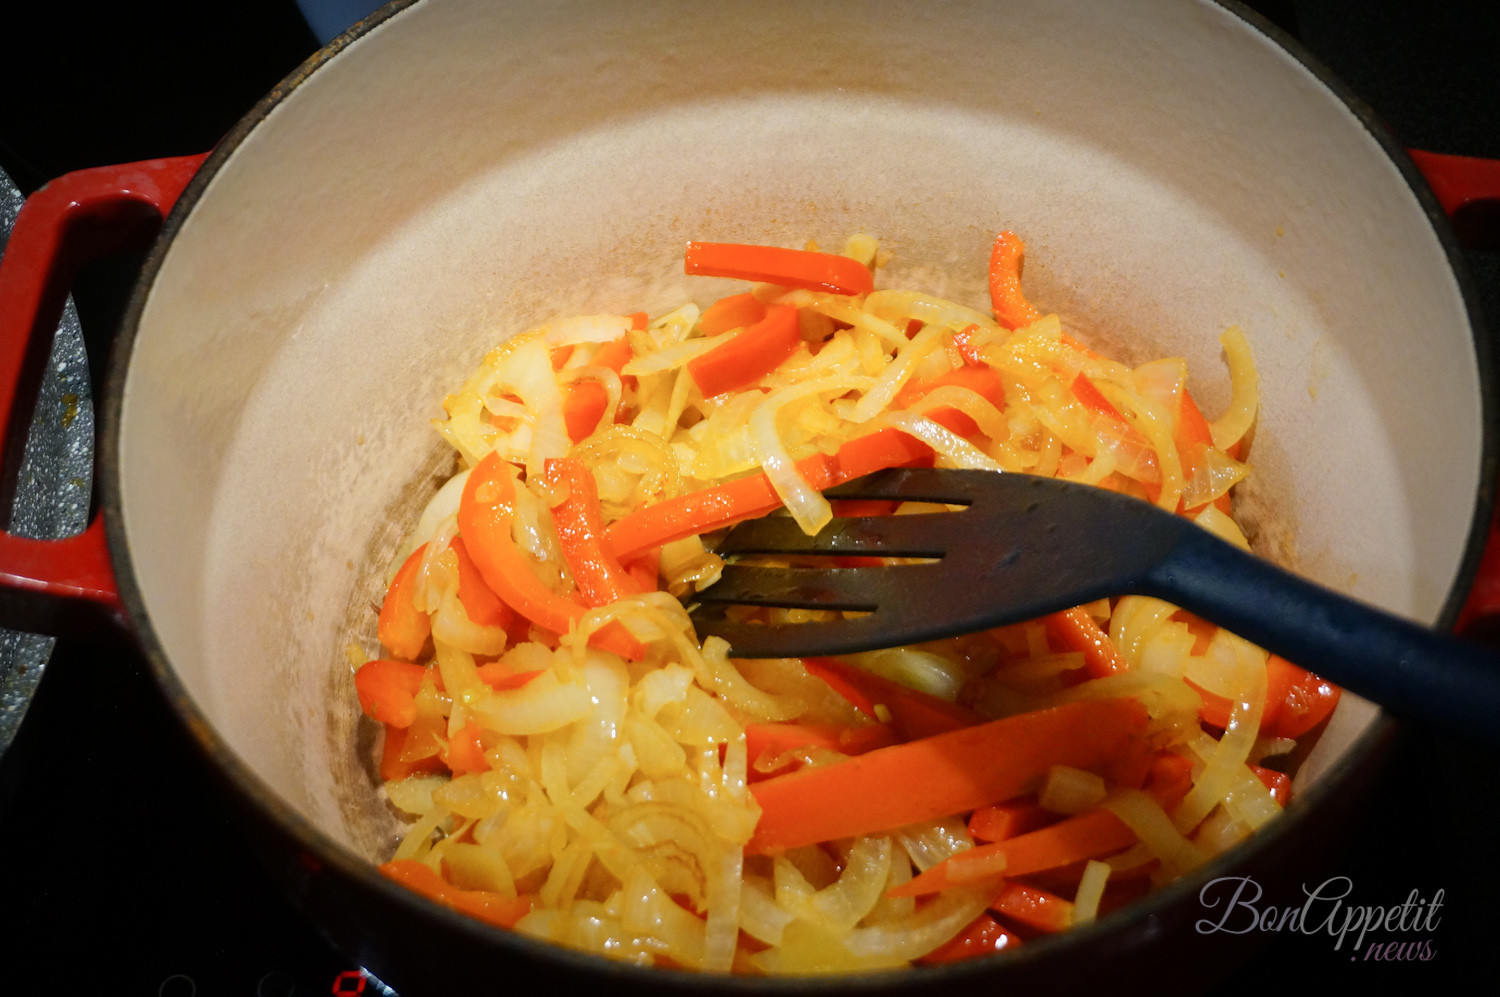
{"x": 454, "y": 171}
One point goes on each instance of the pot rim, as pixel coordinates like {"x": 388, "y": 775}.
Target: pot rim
{"x": 1368, "y": 750}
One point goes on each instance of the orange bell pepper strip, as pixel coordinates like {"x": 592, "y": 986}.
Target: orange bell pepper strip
{"x": 748, "y": 355}
{"x": 1084, "y": 836}
{"x": 800, "y": 268}
{"x": 495, "y": 908}
{"x": 1007, "y": 257}
{"x": 600, "y": 577}
{"x": 403, "y": 628}
{"x": 734, "y": 312}
{"x": 1075, "y": 630}
{"x": 951, "y": 773}
{"x": 485, "y": 510}
{"x": 722, "y": 505}
{"x": 387, "y": 690}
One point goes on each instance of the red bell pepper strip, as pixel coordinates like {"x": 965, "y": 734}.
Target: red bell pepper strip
{"x": 480, "y": 602}
{"x": 1296, "y": 701}
{"x": 734, "y": 312}
{"x": 768, "y": 741}
{"x": 985, "y": 936}
{"x": 982, "y": 379}
{"x": 1306, "y": 703}
{"x": 950, "y": 773}
{"x": 1000, "y": 821}
{"x": 397, "y": 762}
{"x": 600, "y": 578}
{"x": 1007, "y": 257}
{"x": 465, "y": 751}
{"x": 1034, "y": 907}
{"x": 1075, "y": 630}
{"x": 403, "y": 628}
{"x": 1278, "y": 783}
{"x": 585, "y": 399}
{"x": 500, "y": 677}
{"x": 799, "y": 268}
{"x": 388, "y": 689}
{"x": 485, "y": 511}
{"x": 963, "y": 341}
{"x": 748, "y": 355}
{"x": 485, "y": 905}
{"x": 913, "y": 713}
{"x": 722, "y": 505}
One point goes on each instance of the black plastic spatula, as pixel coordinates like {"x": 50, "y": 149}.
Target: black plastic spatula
{"x": 1023, "y": 546}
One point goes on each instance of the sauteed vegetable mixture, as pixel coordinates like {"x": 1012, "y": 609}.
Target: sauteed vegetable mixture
{"x": 576, "y": 765}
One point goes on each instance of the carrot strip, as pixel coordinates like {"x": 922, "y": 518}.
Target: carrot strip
{"x": 579, "y": 521}
{"x": 1007, "y": 257}
{"x": 734, "y": 312}
{"x": 403, "y": 628}
{"x": 485, "y": 905}
{"x": 749, "y": 355}
{"x": 722, "y": 505}
{"x": 788, "y": 267}
{"x": 1085, "y": 836}
{"x": 949, "y": 773}
{"x": 914, "y": 714}
{"x": 387, "y": 690}
{"x": 484, "y": 520}
{"x": 1075, "y": 630}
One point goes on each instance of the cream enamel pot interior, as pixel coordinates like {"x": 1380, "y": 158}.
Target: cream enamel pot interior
{"x": 457, "y": 171}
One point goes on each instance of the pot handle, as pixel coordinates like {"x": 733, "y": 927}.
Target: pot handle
{"x": 1462, "y": 184}
{"x": 48, "y": 585}
{"x": 1468, "y": 188}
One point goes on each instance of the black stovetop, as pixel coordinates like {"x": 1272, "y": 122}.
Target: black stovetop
{"x": 123, "y": 874}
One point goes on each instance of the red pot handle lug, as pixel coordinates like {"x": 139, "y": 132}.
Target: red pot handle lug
{"x": 1463, "y": 184}
{"x": 49, "y": 585}
{"x": 1468, "y": 188}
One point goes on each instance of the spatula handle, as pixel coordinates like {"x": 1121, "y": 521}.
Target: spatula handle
{"x": 1410, "y": 669}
